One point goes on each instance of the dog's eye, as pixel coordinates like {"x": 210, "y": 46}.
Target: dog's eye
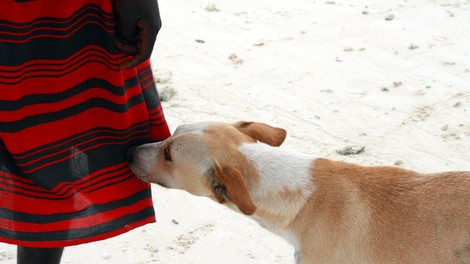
{"x": 167, "y": 154}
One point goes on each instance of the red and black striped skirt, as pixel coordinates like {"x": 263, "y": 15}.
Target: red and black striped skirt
{"x": 67, "y": 116}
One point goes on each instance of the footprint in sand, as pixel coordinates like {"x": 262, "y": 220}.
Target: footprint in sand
{"x": 457, "y": 132}
{"x": 185, "y": 241}
{"x": 421, "y": 113}
{"x": 165, "y": 89}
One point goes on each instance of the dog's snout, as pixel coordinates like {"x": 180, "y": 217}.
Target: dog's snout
{"x": 130, "y": 154}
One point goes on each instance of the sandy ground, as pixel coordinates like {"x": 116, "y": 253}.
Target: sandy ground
{"x": 391, "y": 76}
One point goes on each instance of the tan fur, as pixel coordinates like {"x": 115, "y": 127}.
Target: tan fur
{"x": 262, "y": 132}
{"x": 344, "y": 213}
{"x": 232, "y": 179}
{"x": 386, "y": 215}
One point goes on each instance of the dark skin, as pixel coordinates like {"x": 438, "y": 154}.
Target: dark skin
{"x": 137, "y": 25}
{"x": 28, "y": 255}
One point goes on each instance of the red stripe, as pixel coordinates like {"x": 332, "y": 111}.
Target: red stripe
{"x": 58, "y": 29}
{"x": 146, "y": 78}
{"x": 8, "y": 178}
{"x": 41, "y": 206}
{"x": 95, "y": 176}
{"x": 93, "y": 181}
{"x": 81, "y": 151}
{"x": 46, "y": 20}
{"x": 34, "y": 153}
{"x": 43, "y": 134}
{"x": 26, "y": 12}
{"x": 148, "y": 85}
{"x": 156, "y": 112}
{"x": 48, "y": 85}
{"x": 49, "y": 244}
{"x": 37, "y": 109}
{"x": 83, "y": 222}
{"x": 158, "y": 127}
{"x": 145, "y": 71}
{"x": 54, "y": 36}
{"x": 113, "y": 170}
{"x": 56, "y": 66}
{"x": 68, "y": 190}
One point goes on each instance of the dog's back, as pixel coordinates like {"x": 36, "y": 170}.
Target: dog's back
{"x": 386, "y": 215}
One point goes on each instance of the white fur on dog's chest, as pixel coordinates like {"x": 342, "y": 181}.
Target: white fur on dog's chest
{"x": 280, "y": 169}
{"x": 284, "y": 185}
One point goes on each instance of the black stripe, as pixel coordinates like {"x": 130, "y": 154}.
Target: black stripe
{"x": 15, "y": 54}
{"x": 61, "y": 191}
{"x": 66, "y": 154}
{"x": 88, "y": 211}
{"x": 11, "y": 181}
{"x": 59, "y": 29}
{"x": 85, "y": 8}
{"x": 74, "y": 186}
{"x": 7, "y": 164}
{"x": 33, "y": 99}
{"x": 156, "y": 116}
{"x": 154, "y": 120}
{"x": 70, "y": 140}
{"x": 151, "y": 97}
{"x": 69, "y": 191}
{"x": 76, "y": 140}
{"x": 143, "y": 69}
{"x": 30, "y": 121}
{"x": 158, "y": 124}
{"x": 79, "y": 233}
{"x": 52, "y": 74}
{"x": 112, "y": 183}
{"x": 83, "y": 164}
{"x": 142, "y": 73}
{"x": 156, "y": 113}
{"x": 53, "y": 66}
{"x": 145, "y": 82}
{"x": 56, "y": 31}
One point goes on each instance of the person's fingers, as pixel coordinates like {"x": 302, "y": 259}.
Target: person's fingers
{"x": 146, "y": 37}
{"x": 124, "y": 47}
{"x": 126, "y": 29}
{"x": 133, "y": 62}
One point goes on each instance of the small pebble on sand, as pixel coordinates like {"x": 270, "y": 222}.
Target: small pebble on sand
{"x": 211, "y": 8}
{"x": 350, "y": 150}
{"x": 413, "y": 46}
{"x": 390, "y": 17}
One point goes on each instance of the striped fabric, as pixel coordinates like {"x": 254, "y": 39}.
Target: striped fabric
{"x": 67, "y": 116}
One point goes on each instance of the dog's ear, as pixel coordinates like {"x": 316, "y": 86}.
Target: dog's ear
{"x": 231, "y": 186}
{"x": 273, "y": 136}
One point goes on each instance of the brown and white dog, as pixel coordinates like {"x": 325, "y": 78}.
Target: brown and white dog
{"x": 332, "y": 212}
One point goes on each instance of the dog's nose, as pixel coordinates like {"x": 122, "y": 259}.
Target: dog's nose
{"x": 130, "y": 155}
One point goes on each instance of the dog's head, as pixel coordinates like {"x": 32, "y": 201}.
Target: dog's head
{"x": 204, "y": 160}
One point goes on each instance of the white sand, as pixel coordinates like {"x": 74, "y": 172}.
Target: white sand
{"x": 393, "y": 76}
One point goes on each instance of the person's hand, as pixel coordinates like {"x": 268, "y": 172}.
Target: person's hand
{"x": 137, "y": 26}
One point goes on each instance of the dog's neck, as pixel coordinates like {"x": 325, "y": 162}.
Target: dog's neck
{"x": 285, "y": 182}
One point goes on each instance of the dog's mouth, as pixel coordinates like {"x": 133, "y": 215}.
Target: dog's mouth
{"x": 139, "y": 173}
{"x": 146, "y": 178}
{"x": 163, "y": 185}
